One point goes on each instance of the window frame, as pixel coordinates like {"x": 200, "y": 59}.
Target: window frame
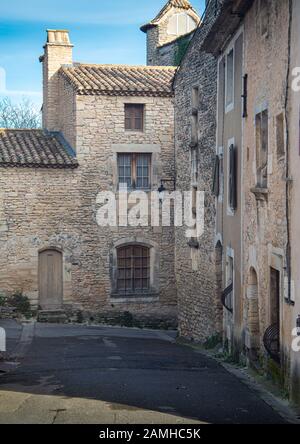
{"x": 230, "y": 273}
{"x": 229, "y": 106}
{"x": 133, "y": 117}
{"x": 259, "y": 148}
{"x": 230, "y": 210}
{"x": 187, "y": 29}
{"x": 133, "y": 269}
{"x": 134, "y": 170}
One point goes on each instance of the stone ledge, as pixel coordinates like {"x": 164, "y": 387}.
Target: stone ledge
{"x": 261, "y": 194}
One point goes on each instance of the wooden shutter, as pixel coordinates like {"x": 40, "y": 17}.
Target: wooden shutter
{"x": 232, "y": 177}
{"x": 216, "y": 179}
{"x": 134, "y": 117}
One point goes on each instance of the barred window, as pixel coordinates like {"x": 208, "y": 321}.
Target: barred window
{"x": 133, "y": 269}
{"x": 134, "y": 171}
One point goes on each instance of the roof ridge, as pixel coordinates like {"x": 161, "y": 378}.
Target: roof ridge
{"x": 21, "y": 129}
{"x": 122, "y": 66}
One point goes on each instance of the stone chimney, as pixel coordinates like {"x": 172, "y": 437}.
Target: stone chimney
{"x": 57, "y": 52}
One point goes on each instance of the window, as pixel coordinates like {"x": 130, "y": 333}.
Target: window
{"x": 262, "y": 141}
{"x": 280, "y": 135}
{"x": 230, "y": 281}
{"x": 194, "y": 165}
{"x": 230, "y": 80}
{"x": 264, "y": 17}
{"x": 133, "y": 269}
{"x": 134, "y": 117}
{"x": 134, "y": 170}
{"x": 218, "y": 176}
{"x": 232, "y": 178}
{"x": 181, "y": 24}
{"x": 195, "y": 111}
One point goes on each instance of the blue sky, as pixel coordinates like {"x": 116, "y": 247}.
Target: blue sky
{"x": 102, "y": 32}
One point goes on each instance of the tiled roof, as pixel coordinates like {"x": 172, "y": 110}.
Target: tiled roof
{"x": 183, "y": 4}
{"x": 35, "y": 149}
{"x": 120, "y": 80}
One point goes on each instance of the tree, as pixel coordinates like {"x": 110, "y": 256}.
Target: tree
{"x": 21, "y": 115}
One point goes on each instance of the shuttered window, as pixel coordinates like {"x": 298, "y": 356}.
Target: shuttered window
{"x": 232, "y": 178}
{"x": 216, "y": 178}
{"x": 134, "y": 117}
{"x": 134, "y": 171}
{"x": 133, "y": 269}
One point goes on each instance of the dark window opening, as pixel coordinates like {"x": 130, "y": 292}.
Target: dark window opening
{"x": 232, "y": 178}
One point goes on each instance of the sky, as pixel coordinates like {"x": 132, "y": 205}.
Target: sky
{"x": 101, "y": 31}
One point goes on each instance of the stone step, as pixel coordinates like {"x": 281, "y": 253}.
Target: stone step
{"x": 52, "y": 316}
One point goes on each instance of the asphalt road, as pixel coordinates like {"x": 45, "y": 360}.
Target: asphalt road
{"x": 73, "y": 374}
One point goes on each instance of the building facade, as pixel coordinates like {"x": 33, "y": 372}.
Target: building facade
{"x": 293, "y": 107}
{"x": 197, "y": 259}
{"x": 169, "y": 33}
{"x": 256, "y": 120}
{"x": 104, "y": 127}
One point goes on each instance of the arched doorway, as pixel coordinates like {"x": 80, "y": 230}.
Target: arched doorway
{"x": 50, "y": 279}
{"x": 252, "y": 333}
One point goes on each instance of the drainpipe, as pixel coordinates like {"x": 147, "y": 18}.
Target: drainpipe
{"x": 288, "y": 179}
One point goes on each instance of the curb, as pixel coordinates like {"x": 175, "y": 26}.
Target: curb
{"x": 12, "y": 361}
{"x": 279, "y": 405}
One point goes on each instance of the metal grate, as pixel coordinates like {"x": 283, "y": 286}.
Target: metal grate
{"x": 226, "y": 298}
{"x": 272, "y": 342}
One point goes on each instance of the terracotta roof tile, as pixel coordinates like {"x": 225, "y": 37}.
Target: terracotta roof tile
{"x": 120, "y": 80}
{"x": 35, "y": 149}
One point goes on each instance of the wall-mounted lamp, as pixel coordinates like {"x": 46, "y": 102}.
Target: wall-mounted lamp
{"x": 161, "y": 191}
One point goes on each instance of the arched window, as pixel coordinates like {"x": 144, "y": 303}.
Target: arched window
{"x": 133, "y": 269}
{"x": 180, "y": 24}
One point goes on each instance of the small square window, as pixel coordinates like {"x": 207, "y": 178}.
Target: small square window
{"x": 134, "y": 117}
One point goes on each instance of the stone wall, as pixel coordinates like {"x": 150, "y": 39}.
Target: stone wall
{"x": 56, "y": 54}
{"x": 264, "y": 230}
{"x": 199, "y": 307}
{"x": 57, "y": 208}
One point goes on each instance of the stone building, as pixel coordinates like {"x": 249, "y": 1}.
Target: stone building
{"x": 293, "y": 107}
{"x": 197, "y": 260}
{"x": 169, "y": 33}
{"x": 103, "y": 127}
{"x": 254, "y": 123}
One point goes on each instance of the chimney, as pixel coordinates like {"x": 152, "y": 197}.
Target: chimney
{"x": 57, "y": 52}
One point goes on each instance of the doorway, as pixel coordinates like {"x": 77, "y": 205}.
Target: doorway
{"x": 50, "y": 279}
{"x": 275, "y": 297}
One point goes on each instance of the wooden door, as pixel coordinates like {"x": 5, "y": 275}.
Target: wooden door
{"x": 50, "y": 280}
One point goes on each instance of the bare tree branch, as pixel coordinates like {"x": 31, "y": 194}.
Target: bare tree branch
{"x": 20, "y": 115}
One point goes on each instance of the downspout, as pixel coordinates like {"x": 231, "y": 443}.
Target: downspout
{"x": 288, "y": 179}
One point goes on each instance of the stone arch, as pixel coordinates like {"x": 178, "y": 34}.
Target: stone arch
{"x": 253, "y": 332}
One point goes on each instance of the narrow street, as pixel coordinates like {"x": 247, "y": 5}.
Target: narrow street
{"x": 78, "y": 374}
